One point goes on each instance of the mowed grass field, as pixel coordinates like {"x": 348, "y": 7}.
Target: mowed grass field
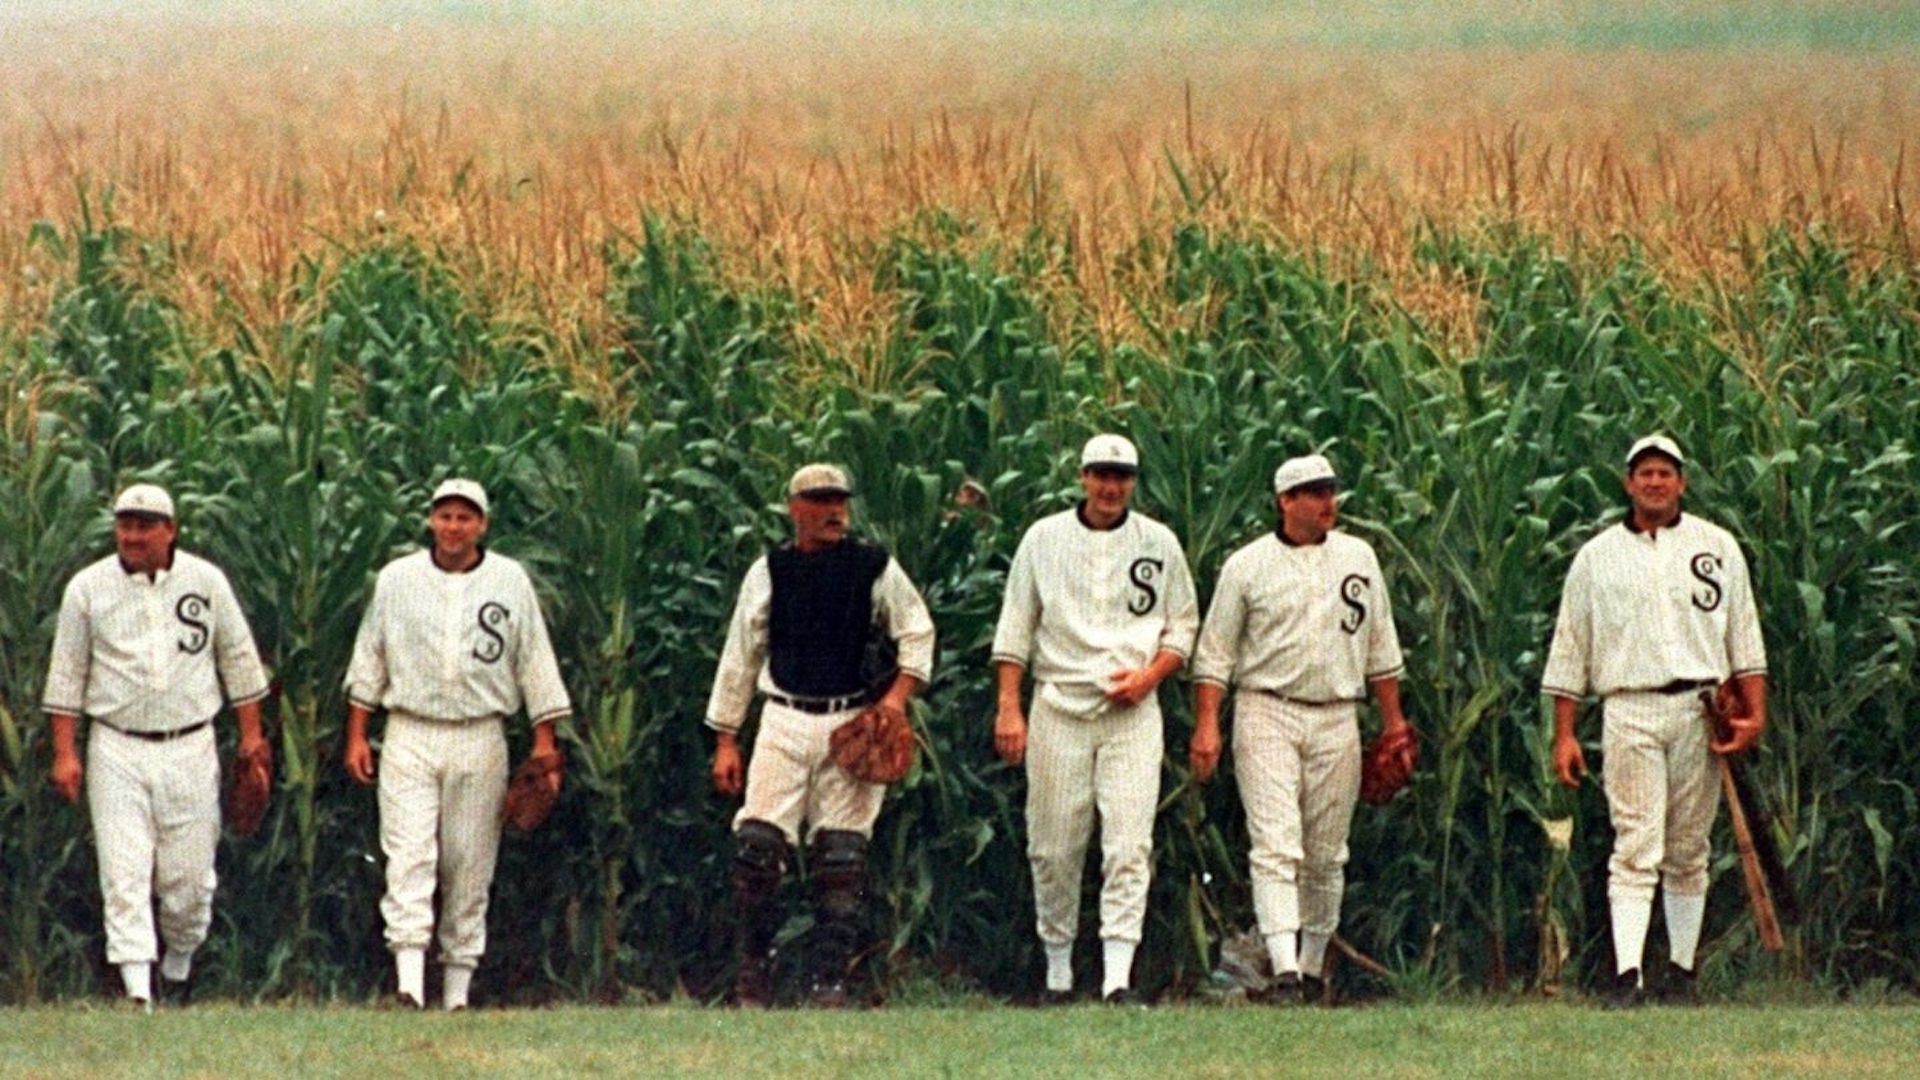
{"x": 1088, "y": 1040}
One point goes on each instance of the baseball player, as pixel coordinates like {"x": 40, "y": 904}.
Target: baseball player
{"x": 800, "y": 632}
{"x": 452, "y": 644}
{"x": 1302, "y": 626}
{"x": 1655, "y": 609}
{"x": 1101, "y": 606}
{"x": 149, "y": 643}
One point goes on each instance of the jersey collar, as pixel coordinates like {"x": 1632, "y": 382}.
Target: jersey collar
{"x": 434, "y": 558}
{"x": 1080, "y": 515}
{"x": 1280, "y": 530}
{"x": 1678, "y": 517}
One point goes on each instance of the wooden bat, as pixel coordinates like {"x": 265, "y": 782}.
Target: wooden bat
{"x": 1769, "y": 892}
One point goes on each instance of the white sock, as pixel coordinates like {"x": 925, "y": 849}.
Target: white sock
{"x": 454, "y": 983}
{"x": 1630, "y": 919}
{"x": 1118, "y": 966}
{"x": 1684, "y": 916}
{"x": 411, "y": 965}
{"x": 176, "y": 967}
{"x": 1060, "y": 967}
{"x": 1280, "y": 950}
{"x": 1313, "y": 952}
{"x": 138, "y": 979}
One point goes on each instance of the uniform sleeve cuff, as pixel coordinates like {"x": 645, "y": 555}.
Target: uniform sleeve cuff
{"x": 723, "y": 728}
{"x": 370, "y": 706}
{"x": 1210, "y": 680}
{"x": 1009, "y": 658}
{"x": 1561, "y": 691}
{"x": 1748, "y": 671}
{"x": 257, "y": 695}
{"x": 551, "y": 715}
{"x": 1390, "y": 673}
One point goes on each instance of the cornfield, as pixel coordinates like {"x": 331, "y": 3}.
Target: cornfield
{"x": 631, "y": 300}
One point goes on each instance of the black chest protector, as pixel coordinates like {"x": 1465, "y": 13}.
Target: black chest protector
{"x": 822, "y": 614}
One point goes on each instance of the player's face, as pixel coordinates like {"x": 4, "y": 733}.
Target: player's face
{"x": 1108, "y": 492}
{"x": 1310, "y": 511}
{"x": 145, "y": 543}
{"x": 1655, "y": 485}
{"x": 819, "y": 520}
{"x": 458, "y": 527}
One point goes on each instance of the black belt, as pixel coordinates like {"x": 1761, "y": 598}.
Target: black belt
{"x": 1276, "y": 695}
{"x": 157, "y": 736}
{"x": 821, "y": 706}
{"x": 1683, "y": 686}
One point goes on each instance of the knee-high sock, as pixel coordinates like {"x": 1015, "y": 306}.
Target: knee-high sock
{"x": 1313, "y": 952}
{"x": 1118, "y": 973}
{"x": 411, "y": 967}
{"x": 1060, "y": 967}
{"x": 1684, "y": 916}
{"x": 1630, "y": 917}
{"x": 1280, "y": 950}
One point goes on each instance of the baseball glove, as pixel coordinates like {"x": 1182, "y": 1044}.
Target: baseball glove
{"x": 876, "y": 746}
{"x": 250, "y": 791}
{"x": 530, "y": 795}
{"x": 1387, "y": 764}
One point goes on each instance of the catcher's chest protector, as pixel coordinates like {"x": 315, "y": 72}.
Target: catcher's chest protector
{"x": 821, "y": 612}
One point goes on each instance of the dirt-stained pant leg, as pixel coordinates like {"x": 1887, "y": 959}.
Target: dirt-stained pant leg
{"x": 1126, "y": 780}
{"x": 409, "y": 791}
{"x": 792, "y": 781}
{"x": 156, "y": 823}
{"x": 1693, "y": 799}
{"x": 1266, "y": 764}
{"x": 473, "y": 789}
{"x": 186, "y": 817}
{"x": 1060, "y": 801}
{"x": 1329, "y": 788}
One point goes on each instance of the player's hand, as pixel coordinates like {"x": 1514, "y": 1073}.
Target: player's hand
{"x": 1130, "y": 688}
{"x": 1203, "y": 750}
{"x": 1010, "y": 735}
{"x": 256, "y": 748}
{"x": 358, "y": 759}
{"x": 65, "y": 776}
{"x": 1569, "y": 761}
{"x": 1743, "y": 735}
{"x": 729, "y": 774}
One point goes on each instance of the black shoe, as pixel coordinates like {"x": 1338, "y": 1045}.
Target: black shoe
{"x": 1285, "y": 989}
{"x": 1128, "y": 996}
{"x": 1679, "y": 986}
{"x": 1313, "y": 990}
{"x": 1054, "y": 998}
{"x": 1626, "y": 992}
{"x": 397, "y": 1002}
{"x": 176, "y": 995}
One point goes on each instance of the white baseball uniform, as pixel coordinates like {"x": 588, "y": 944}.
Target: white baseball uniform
{"x": 1082, "y": 604}
{"x": 1300, "y": 630}
{"x": 150, "y": 660}
{"x": 791, "y": 779}
{"x": 449, "y": 656}
{"x": 1646, "y": 621}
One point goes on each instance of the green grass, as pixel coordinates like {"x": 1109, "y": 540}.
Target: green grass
{"x": 1532, "y": 1039}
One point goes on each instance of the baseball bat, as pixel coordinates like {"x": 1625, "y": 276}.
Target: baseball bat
{"x": 1769, "y": 892}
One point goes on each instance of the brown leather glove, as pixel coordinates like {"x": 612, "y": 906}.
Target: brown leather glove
{"x": 250, "y": 791}
{"x": 876, "y": 746}
{"x": 533, "y": 791}
{"x": 1387, "y": 765}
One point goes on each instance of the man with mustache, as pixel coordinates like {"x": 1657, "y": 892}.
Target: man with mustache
{"x": 806, "y": 616}
{"x": 149, "y": 644}
{"x": 1101, "y": 605}
{"x": 452, "y": 644}
{"x": 1302, "y": 626}
{"x": 1654, "y": 610}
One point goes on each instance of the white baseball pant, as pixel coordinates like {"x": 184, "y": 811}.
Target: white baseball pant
{"x": 1079, "y": 761}
{"x": 442, "y": 786}
{"x": 156, "y": 823}
{"x": 1661, "y": 793}
{"x": 791, "y": 777}
{"x": 1298, "y": 767}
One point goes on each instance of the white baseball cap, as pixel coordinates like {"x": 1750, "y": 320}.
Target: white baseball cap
{"x": 1308, "y": 469}
{"x": 458, "y": 488}
{"x": 1110, "y": 452}
{"x": 1659, "y": 444}
{"x": 146, "y": 500}
{"x": 819, "y": 478}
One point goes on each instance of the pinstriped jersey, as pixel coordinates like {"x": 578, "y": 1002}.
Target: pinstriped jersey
{"x": 1083, "y": 603}
{"x": 1311, "y": 622}
{"x": 151, "y": 654}
{"x": 448, "y": 646}
{"x": 1642, "y": 610}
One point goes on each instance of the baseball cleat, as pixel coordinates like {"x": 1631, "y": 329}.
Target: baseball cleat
{"x": 1626, "y": 992}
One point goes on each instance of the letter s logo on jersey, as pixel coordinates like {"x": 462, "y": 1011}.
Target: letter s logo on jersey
{"x": 1143, "y": 573}
{"x": 492, "y": 615}
{"x": 1706, "y": 569}
{"x": 191, "y": 610}
{"x": 1353, "y": 588}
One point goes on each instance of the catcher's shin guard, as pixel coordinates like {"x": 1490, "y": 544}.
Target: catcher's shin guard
{"x": 759, "y": 862}
{"x": 838, "y": 879}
